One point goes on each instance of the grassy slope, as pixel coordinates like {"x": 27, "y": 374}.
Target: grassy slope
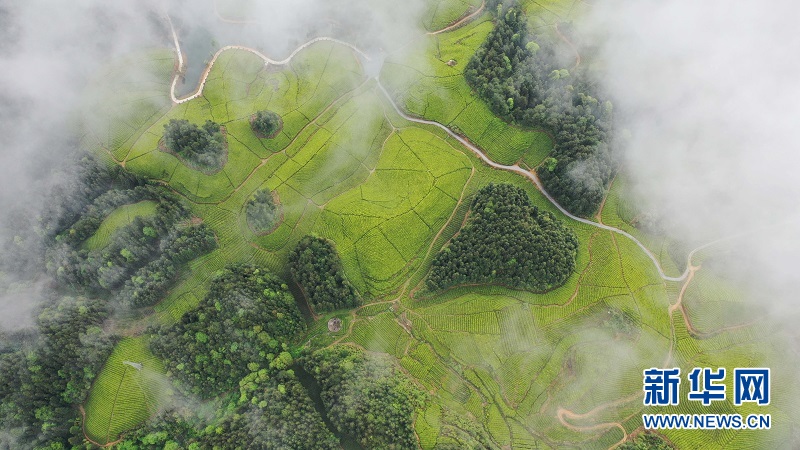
{"x": 422, "y": 81}
{"x": 123, "y": 396}
{"x": 390, "y": 194}
{"x": 118, "y": 218}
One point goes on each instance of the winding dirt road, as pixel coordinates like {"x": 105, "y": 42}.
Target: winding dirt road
{"x": 266, "y": 59}
{"x": 461, "y": 22}
{"x": 478, "y": 152}
{"x": 562, "y": 414}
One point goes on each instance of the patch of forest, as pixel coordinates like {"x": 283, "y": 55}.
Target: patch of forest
{"x": 235, "y": 350}
{"x": 241, "y": 326}
{"x": 47, "y": 371}
{"x": 315, "y": 265}
{"x": 521, "y": 82}
{"x": 509, "y": 241}
{"x": 363, "y": 395}
{"x": 367, "y": 396}
{"x": 263, "y": 212}
{"x": 266, "y": 124}
{"x": 43, "y": 376}
{"x": 202, "y": 148}
{"x": 143, "y": 257}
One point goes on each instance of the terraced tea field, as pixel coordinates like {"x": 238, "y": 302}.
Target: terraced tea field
{"x": 555, "y": 369}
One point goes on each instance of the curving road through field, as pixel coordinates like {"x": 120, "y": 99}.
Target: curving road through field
{"x": 477, "y": 151}
{"x": 562, "y": 414}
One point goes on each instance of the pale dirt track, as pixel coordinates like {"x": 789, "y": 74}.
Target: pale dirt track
{"x": 461, "y": 22}
{"x": 562, "y": 413}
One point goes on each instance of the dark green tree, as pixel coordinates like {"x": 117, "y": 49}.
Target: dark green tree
{"x": 241, "y": 326}
{"x": 266, "y": 124}
{"x": 200, "y": 147}
{"x": 521, "y": 82}
{"x": 506, "y": 241}
{"x": 316, "y": 267}
{"x": 262, "y": 212}
{"x": 367, "y": 397}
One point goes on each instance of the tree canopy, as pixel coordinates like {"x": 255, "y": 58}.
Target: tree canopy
{"x": 266, "y": 124}
{"x": 367, "y": 397}
{"x": 262, "y": 212}
{"x": 240, "y": 327}
{"x": 42, "y": 379}
{"x": 647, "y": 441}
{"x": 201, "y": 147}
{"x": 142, "y": 259}
{"x": 521, "y": 82}
{"x": 317, "y": 268}
{"x": 506, "y": 240}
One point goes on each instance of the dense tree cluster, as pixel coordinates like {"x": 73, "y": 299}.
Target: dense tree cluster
{"x": 45, "y": 372}
{"x": 149, "y": 284}
{"x": 262, "y": 212}
{"x": 92, "y": 179}
{"x": 239, "y": 327}
{"x": 171, "y": 429}
{"x": 508, "y": 241}
{"x": 521, "y": 82}
{"x": 142, "y": 257}
{"x": 25, "y": 236}
{"x": 316, "y": 267}
{"x": 94, "y": 213}
{"x": 43, "y": 378}
{"x": 273, "y": 413}
{"x": 266, "y": 124}
{"x": 647, "y": 441}
{"x": 367, "y": 397}
{"x": 201, "y": 147}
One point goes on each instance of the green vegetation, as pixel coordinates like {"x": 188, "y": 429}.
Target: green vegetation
{"x": 520, "y": 81}
{"x": 140, "y": 259}
{"x": 262, "y": 212}
{"x": 442, "y": 13}
{"x": 128, "y": 390}
{"x": 501, "y": 367}
{"x": 426, "y": 86}
{"x": 238, "y": 328}
{"x": 274, "y": 413}
{"x": 120, "y": 217}
{"x": 41, "y": 380}
{"x": 367, "y": 397}
{"x": 316, "y": 267}
{"x": 266, "y": 124}
{"x": 201, "y": 148}
{"x": 149, "y": 284}
{"x": 507, "y": 241}
{"x": 647, "y": 441}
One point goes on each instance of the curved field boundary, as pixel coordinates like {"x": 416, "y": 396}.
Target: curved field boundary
{"x": 478, "y": 152}
{"x": 532, "y": 176}
{"x": 461, "y": 22}
{"x": 267, "y": 61}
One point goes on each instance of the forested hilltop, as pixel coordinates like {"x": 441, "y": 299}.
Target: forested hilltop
{"x": 237, "y": 350}
{"x": 520, "y": 81}
{"x": 316, "y": 267}
{"x": 43, "y": 376}
{"x": 509, "y": 241}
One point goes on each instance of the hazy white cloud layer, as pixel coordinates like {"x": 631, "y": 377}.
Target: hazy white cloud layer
{"x": 49, "y": 52}
{"x": 709, "y": 92}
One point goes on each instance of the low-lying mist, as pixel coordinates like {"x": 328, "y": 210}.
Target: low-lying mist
{"x": 708, "y": 95}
